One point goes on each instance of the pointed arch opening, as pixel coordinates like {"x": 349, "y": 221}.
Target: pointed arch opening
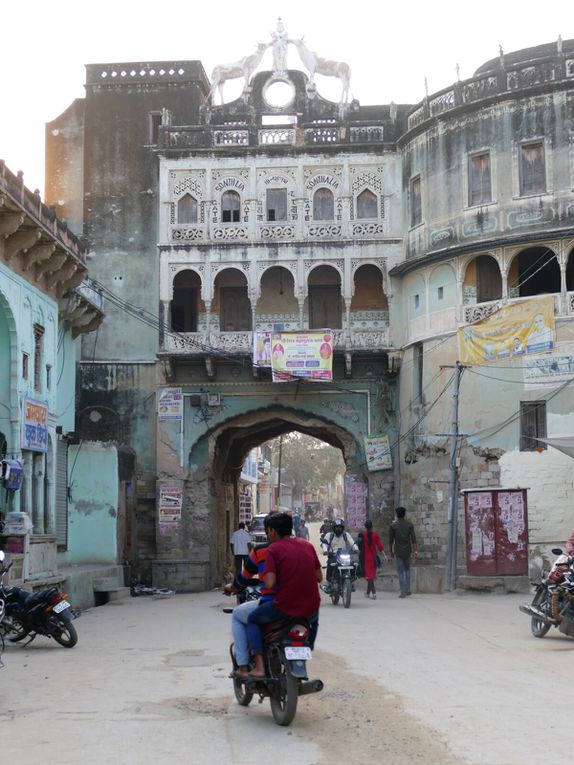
{"x": 230, "y": 207}
{"x": 482, "y": 280}
{"x": 367, "y": 204}
{"x": 185, "y": 304}
{"x": 187, "y": 209}
{"x": 534, "y": 271}
{"x": 323, "y": 205}
{"x": 324, "y": 301}
{"x": 231, "y": 301}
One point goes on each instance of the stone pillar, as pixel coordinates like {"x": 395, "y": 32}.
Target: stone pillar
{"x": 301, "y": 301}
{"x": 38, "y": 474}
{"x": 207, "y": 304}
{"x": 26, "y": 491}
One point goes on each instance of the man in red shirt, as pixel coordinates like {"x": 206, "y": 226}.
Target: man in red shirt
{"x": 293, "y": 568}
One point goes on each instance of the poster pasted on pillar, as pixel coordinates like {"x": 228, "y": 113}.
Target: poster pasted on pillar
{"x": 170, "y": 506}
{"x": 356, "y": 493}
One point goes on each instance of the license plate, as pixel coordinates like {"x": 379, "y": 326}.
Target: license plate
{"x": 61, "y": 606}
{"x": 301, "y": 652}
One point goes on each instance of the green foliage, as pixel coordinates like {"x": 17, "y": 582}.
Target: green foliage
{"x": 307, "y": 461}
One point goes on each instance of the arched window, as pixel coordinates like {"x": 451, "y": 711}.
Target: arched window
{"x": 187, "y": 209}
{"x": 323, "y": 205}
{"x": 367, "y": 204}
{"x": 230, "y": 207}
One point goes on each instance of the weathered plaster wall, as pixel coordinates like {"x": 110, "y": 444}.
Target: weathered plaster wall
{"x": 93, "y": 504}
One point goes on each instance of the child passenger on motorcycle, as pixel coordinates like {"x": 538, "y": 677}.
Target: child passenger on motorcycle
{"x": 253, "y": 568}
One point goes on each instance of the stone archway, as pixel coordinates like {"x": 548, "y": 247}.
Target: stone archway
{"x": 197, "y": 556}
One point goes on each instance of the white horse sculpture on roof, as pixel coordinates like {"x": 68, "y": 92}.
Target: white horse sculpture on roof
{"x": 317, "y": 65}
{"x": 242, "y": 68}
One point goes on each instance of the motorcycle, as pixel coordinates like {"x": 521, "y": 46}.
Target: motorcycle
{"x": 553, "y": 601}
{"x": 341, "y": 575}
{"x": 28, "y": 614}
{"x": 287, "y": 650}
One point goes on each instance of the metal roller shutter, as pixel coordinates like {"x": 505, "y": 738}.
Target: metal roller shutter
{"x": 62, "y": 495}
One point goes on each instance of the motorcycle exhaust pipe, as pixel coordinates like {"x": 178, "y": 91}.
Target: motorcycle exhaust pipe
{"x": 311, "y": 686}
{"x": 532, "y": 611}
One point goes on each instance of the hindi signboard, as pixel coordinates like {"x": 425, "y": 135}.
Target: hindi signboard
{"x": 170, "y": 504}
{"x": 296, "y": 355}
{"x": 34, "y": 425}
{"x": 170, "y": 404}
{"x": 518, "y": 329}
{"x": 356, "y": 493}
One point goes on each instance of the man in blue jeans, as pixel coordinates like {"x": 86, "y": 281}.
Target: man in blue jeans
{"x": 293, "y": 568}
{"x": 402, "y": 543}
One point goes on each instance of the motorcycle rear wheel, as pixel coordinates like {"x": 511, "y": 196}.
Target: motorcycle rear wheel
{"x": 541, "y": 601}
{"x": 346, "y": 592}
{"x": 242, "y": 695}
{"x": 285, "y": 694}
{"x": 63, "y": 632}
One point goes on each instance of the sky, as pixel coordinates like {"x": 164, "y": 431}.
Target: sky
{"x": 391, "y": 48}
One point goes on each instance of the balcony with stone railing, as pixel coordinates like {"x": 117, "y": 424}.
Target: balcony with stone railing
{"x": 505, "y": 80}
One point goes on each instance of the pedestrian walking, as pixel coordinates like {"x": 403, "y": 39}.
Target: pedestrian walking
{"x": 239, "y": 542}
{"x": 402, "y": 544}
{"x": 369, "y": 547}
{"x": 303, "y": 531}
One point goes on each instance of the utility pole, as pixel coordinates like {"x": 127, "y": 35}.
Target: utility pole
{"x": 451, "y": 553}
{"x": 278, "y": 497}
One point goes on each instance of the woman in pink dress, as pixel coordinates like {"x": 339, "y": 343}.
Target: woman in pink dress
{"x": 371, "y": 547}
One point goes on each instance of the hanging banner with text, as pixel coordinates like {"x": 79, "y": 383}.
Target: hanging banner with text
{"x": 34, "y": 425}
{"x": 170, "y": 404}
{"x": 302, "y": 354}
{"x": 514, "y": 330}
{"x": 378, "y": 452}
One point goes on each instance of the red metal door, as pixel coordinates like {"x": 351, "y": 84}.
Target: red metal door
{"x": 480, "y": 533}
{"x": 511, "y": 531}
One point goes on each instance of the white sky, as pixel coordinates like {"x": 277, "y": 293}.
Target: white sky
{"x": 390, "y": 46}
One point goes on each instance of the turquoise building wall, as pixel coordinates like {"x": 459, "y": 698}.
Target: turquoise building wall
{"x": 93, "y": 504}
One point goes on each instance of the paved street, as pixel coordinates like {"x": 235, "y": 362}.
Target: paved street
{"x": 434, "y": 679}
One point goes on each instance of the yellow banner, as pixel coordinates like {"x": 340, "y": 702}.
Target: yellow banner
{"x": 302, "y": 354}
{"x": 518, "y": 329}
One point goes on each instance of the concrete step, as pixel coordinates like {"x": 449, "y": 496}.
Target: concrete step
{"x": 106, "y": 584}
{"x": 119, "y": 594}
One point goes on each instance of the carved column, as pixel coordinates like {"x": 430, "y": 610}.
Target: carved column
{"x": 301, "y": 302}
{"x": 207, "y": 304}
{"x": 347, "y": 324}
{"x": 26, "y": 491}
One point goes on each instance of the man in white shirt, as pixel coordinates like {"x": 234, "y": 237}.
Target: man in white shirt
{"x": 239, "y": 542}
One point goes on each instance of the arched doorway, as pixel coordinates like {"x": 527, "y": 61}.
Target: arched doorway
{"x": 195, "y": 554}
{"x": 324, "y": 302}
{"x": 233, "y": 443}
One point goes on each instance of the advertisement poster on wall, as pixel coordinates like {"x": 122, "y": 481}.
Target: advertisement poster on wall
{"x": 546, "y": 371}
{"x": 296, "y": 355}
{"x": 34, "y": 425}
{"x": 170, "y": 504}
{"x": 356, "y": 495}
{"x": 262, "y": 349}
{"x": 170, "y": 404}
{"x": 515, "y": 330}
{"x": 378, "y": 452}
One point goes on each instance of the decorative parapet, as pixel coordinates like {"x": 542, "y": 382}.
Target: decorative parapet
{"x": 276, "y": 232}
{"x": 187, "y": 233}
{"x": 507, "y": 78}
{"x": 230, "y": 233}
{"x": 231, "y": 137}
{"x": 277, "y": 137}
{"x": 322, "y": 135}
{"x": 234, "y": 343}
{"x": 366, "y": 134}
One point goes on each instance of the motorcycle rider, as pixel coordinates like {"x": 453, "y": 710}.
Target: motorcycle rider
{"x": 338, "y": 539}
{"x": 253, "y": 568}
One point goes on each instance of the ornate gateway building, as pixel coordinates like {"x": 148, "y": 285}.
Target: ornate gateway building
{"x": 214, "y": 226}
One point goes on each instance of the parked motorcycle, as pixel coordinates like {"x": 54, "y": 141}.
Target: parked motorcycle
{"x": 28, "y": 614}
{"x": 553, "y": 601}
{"x": 341, "y": 575}
{"x": 287, "y": 651}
